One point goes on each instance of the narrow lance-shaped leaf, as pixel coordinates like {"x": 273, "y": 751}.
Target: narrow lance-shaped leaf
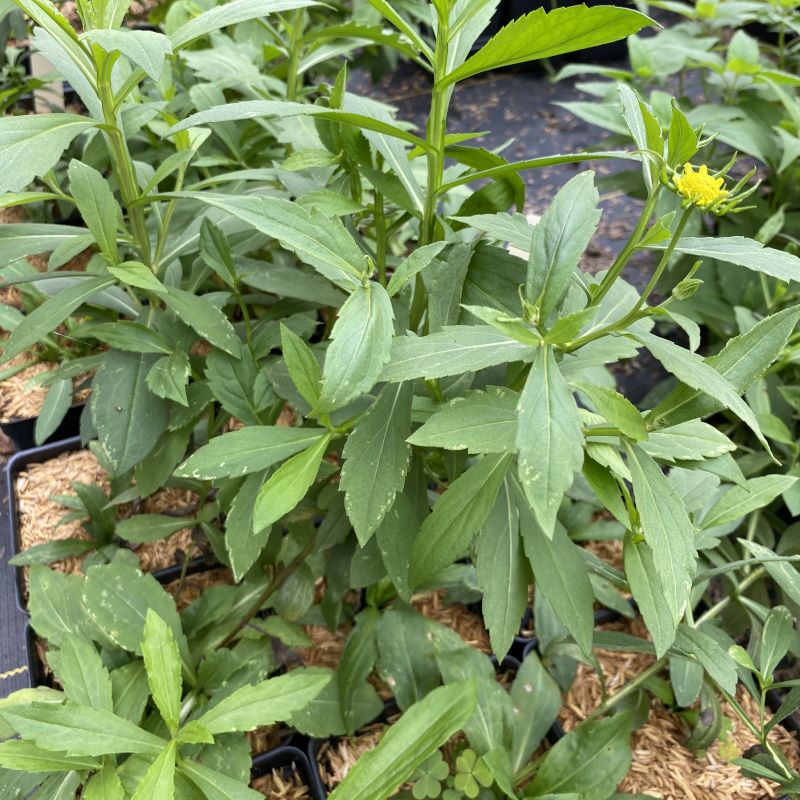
{"x": 323, "y": 243}
{"x": 98, "y": 206}
{"x": 503, "y": 572}
{"x": 272, "y": 700}
{"x": 558, "y": 242}
{"x": 697, "y": 373}
{"x": 376, "y": 459}
{"x": 560, "y": 573}
{"x": 242, "y": 452}
{"x": 230, "y": 14}
{"x": 549, "y": 438}
{"x": 406, "y": 744}
{"x": 162, "y": 661}
{"x": 452, "y": 351}
{"x": 159, "y": 780}
{"x": 542, "y": 34}
{"x": 666, "y": 527}
{"x": 288, "y": 485}
{"x": 645, "y": 582}
{"x": 86, "y": 679}
{"x": 31, "y": 144}
{"x": 741, "y": 362}
{"x": 80, "y": 730}
{"x": 360, "y": 347}
{"x": 447, "y": 533}
{"x": 50, "y": 314}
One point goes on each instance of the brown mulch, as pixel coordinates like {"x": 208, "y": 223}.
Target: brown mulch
{"x": 278, "y": 786}
{"x": 39, "y": 515}
{"x": 662, "y": 766}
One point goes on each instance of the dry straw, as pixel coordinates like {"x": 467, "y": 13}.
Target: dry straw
{"x": 276, "y": 785}
{"x": 662, "y": 766}
{"x": 40, "y": 515}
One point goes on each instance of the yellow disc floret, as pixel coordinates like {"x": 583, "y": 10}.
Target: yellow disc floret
{"x": 700, "y": 188}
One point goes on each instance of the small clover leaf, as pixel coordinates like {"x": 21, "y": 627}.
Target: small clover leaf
{"x": 472, "y": 772}
{"x": 428, "y": 777}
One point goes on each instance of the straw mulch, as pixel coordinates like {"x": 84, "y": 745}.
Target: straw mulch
{"x": 278, "y": 786}
{"x": 39, "y": 515}
{"x": 267, "y": 738}
{"x": 21, "y": 397}
{"x": 337, "y": 757}
{"x": 662, "y": 767}
{"x": 189, "y": 589}
{"x": 466, "y": 623}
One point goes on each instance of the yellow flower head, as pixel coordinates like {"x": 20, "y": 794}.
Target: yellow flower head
{"x": 700, "y": 188}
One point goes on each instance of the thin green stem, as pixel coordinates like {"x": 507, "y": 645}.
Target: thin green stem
{"x": 621, "y": 261}
{"x": 293, "y": 63}
{"x": 121, "y": 158}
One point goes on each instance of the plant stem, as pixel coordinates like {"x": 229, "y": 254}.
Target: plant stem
{"x": 121, "y": 159}
{"x": 627, "y": 251}
{"x": 280, "y": 578}
{"x": 294, "y": 55}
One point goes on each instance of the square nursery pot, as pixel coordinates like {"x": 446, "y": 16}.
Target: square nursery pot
{"x": 21, "y": 431}
{"x": 287, "y": 761}
{"x": 16, "y": 464}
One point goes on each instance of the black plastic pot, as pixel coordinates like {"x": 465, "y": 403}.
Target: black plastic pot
{"x": 21, "y": 431}
{"x": 285, "y": 758}
{"x": 39, "y": 455}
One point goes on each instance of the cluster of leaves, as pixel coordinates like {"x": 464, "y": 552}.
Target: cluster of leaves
{"x": 268, "y": 250}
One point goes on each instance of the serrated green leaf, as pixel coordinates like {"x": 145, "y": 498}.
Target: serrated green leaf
{"x": 50, "y": 314}
{"x": 204, "y": 318}
{"x": 104, "y": 785}
{"x": 84, "y": 676}
{"x": 127, "y": 416}
{"x": 168, "y": 377}
{"x": 272, "y": 700}
{"x": 549, "y": 438}
{"x": 452, "y": 351}
{"x": 30, "y": 145}
{"x": 666, "y": 527}
{"x": 645, "y": 582}
{"x": 558, "y": 242}
{"x": 303, "y": 367}
{"x": 360, "y": 347}
{"x": 18, "y": 755}
{"x": 784, "y": 574}
{"x": 739, "y": 501}
{"x": 618, "y": 410}
{"x": 376, "y": 459}
{"x": 447, "y": 533}
{"x": 162, "y": 661}
{"x": 478, "y": 421}
{"x": 159, "y": 780}
{"x": 714, "y": 659}
{"x": 560, "y": 573}
{"x": 542, "y": 34}
{"x": 406, "y": 744}
{"x": 410, "y": 266}
{"x": 243, "y": 544}
{"x": 216, "y": 786}
{"x": 288, "y": 485}
{"x": 55, "y": 406}
{"x": 79, "y": 730}
{"x": 503, "y": 572}
{"x": 97, "y": 205}
{"x": 245, "y": 451}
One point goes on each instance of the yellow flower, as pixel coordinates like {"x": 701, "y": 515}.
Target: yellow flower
{"x": 700, "y": 188}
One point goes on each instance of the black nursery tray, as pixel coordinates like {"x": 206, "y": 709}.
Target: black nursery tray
{"x": 285, "y": 759}
{"x": 21, "y": 431}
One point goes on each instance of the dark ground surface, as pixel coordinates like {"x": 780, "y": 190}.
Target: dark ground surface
{"x": 512, "y": 105}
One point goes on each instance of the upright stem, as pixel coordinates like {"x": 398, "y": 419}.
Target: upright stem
{"x": 294, "y": 55}
{"x": 436, "y": 130}
{"x": 121, "y": 158}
